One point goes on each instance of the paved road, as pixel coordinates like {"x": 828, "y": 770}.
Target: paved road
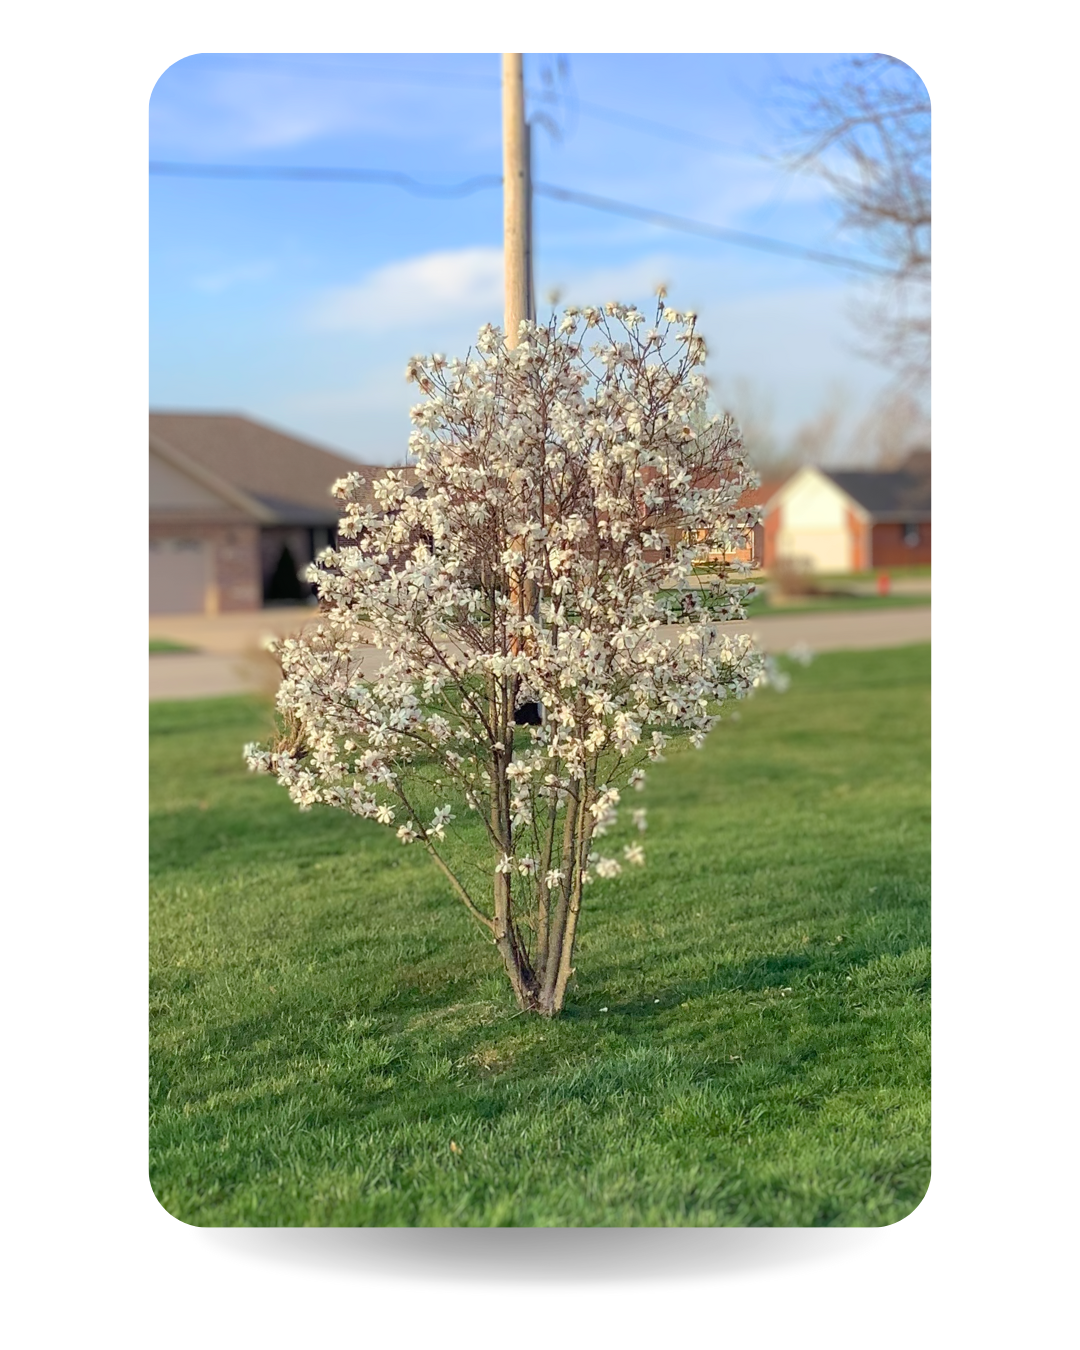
{"x": 204, "y": 675}
{"x": 839, "y": 630}
{"x": 230, "y": 662}
{"x": 231, "y": 633}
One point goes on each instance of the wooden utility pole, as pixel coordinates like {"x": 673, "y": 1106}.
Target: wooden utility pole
{"x": 517, "y": 271}
{"x": 530, "y": 277}
{"x": 515, "y": 196}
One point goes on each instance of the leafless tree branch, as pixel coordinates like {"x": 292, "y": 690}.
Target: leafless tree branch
{"x": 864, "y": 129}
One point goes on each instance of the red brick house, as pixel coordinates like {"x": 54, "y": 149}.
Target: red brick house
{"x": 237, "y": 510}
{"x": 759, "y": 497}
{"x": 850, "y": 520}
{"x": 753, "y": 547}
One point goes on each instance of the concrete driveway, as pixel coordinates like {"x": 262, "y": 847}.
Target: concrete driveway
{"x": 229, "y": 659}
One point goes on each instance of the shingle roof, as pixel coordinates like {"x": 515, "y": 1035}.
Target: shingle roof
{"x": 760, "y": 495}
{"x": 290, "y": 476}
{"x": 899, "y": 494}
{"x": 751, "y": 497}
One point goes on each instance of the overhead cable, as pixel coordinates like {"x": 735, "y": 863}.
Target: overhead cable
{"x": 391, "y": 178}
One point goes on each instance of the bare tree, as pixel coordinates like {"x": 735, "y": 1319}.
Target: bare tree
{"x": 753, "y": 410}
{"x": 814, "y": 440}
{"x": 891, "y": 430}
{"x": 864, "y": 128}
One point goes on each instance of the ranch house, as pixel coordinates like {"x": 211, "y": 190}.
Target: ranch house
{"x": 237, "y": 511}
{"x": 850, "y": 520}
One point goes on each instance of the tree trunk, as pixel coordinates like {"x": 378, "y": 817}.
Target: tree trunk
{"x": 558, "y": 969}
{"x": 566, "y": 969}
{"x": 522, "y": 977}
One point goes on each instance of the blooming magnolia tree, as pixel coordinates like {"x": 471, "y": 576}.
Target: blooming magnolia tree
{"x": 525, "y": 598}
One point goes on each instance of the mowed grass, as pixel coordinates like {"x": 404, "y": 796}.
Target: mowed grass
{"x": 159, "y": 645}
{"x": 763, "y": 604}
{"x": 333, "y": 1043}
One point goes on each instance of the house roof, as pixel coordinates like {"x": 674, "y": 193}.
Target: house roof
{"x": 760, "y": 495}
{"x": 288, "y": 478}
{"x": 757, "y": 496}
{"x": 897, "y": 494}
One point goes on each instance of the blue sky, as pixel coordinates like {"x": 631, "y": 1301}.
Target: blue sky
{"x": 299, "y": 303}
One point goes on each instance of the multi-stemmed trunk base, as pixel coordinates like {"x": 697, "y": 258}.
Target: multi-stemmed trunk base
{"x": 544, "y": 992}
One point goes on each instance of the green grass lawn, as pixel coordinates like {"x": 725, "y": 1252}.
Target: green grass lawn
{"x": 835, "y": 599}
{"x": 333, "y": 1043}
{"x": 158, "y": 644}
{"x": 871, "y": 573}
{"x": 761, "y": 604}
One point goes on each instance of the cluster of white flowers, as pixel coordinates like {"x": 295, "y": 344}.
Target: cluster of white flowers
{"x": 528, "y": 561}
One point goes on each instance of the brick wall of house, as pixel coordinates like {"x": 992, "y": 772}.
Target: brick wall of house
{"x": 237, "y": 567}
{"x": 771, "y": 525}
{"x": 861, "y": 545}
{"x": 890, "y": 549}
{"x": 234, "y": 580}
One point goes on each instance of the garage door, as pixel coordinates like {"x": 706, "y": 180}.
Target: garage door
{"x": 179, "y": 572}
{"x": 826, "y": 550}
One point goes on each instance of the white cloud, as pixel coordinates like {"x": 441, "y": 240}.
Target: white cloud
{"x": 221, "y": 105}
{"x": 452, "y": 283}
{"x": 794, "y": 346}
{"x": 206, "y": 110}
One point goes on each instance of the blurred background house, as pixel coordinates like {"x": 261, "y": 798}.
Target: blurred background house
{"x": 237, "y": 511}
{"x": 847, "y": 520}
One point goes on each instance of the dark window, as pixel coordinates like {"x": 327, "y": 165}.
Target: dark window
{"x": 912, "y": 535}
{"x": 285, "y": 583}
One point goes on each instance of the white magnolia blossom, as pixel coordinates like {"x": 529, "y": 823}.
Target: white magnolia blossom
{"x": 439, "y": 822}
{"x": 527, "y": 586}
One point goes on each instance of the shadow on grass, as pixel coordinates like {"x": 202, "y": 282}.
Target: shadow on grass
{"x": 805, "y": 971}
{"x": 328, "y": 1021}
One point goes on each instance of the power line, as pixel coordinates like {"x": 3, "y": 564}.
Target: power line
{"x": 741, "y": 237}
{"x": 302, "y": 173}
{"x": 481, "y": 182}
